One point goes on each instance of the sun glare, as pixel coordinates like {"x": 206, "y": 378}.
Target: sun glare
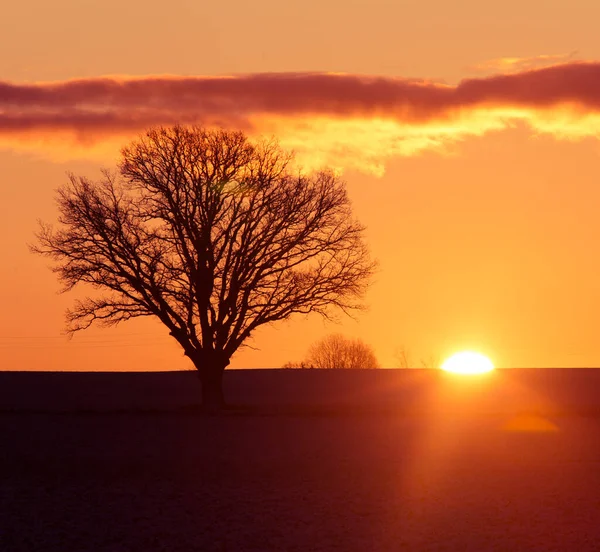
{"x": 468, "y": 362}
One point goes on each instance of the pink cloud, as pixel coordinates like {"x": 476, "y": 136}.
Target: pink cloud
{"x": 98, "y": 109}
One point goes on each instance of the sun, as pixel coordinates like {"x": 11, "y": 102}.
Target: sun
{"x": 468, "y": 362}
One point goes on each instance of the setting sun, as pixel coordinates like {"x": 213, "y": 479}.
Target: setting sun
{"x": 468, "y": 362}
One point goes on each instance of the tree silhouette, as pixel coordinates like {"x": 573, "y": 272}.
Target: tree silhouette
{"x": 404, "y": 360}
{"x": 212, "y": 234}
{"x": 337, "y": 351}
{"x": 302, "y": 365}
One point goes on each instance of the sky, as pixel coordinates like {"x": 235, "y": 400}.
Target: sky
{"x": 467, "y": 132}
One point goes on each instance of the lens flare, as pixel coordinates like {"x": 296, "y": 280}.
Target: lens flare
{"x": 468, "y": 363}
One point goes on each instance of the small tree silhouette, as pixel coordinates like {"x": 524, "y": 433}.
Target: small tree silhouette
{"x": 213, "y": 235}
{"x": 298, "y": 365}
{"x": 337, "y": 351}
{"x": 403, "y": 357}
{"x": 404, "y": 360}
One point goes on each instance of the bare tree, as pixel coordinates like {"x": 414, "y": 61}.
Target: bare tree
{"x": 431, "y": 362}
{"x": 212, "y": 234}
{"x": 403, "y": 357}
{"x": 337, "y": 351}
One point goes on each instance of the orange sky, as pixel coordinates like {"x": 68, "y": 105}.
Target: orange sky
{"x": 470, "y": 152}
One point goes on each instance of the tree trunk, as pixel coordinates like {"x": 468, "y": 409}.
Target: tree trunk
{"x": 211, "y": 368}
{"x": 213, "y": 399}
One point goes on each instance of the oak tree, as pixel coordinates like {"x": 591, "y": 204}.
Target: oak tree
{"x": 214, "y": 235}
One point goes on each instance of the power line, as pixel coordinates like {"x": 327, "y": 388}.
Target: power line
{"x": 63, "y": 342}
{"x": 63, "y": 336}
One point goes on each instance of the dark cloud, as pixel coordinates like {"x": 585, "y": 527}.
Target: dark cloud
{"x": 115, "y": 105}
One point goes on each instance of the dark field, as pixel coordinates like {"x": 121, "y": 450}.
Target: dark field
{"x": 510, "y": 462}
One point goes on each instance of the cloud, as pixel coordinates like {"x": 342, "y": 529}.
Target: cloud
{"x": 340, "y": 119}
{"x": 507, "y": 65}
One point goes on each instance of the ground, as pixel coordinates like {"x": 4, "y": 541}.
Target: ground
{"x": 347, "y": 481}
